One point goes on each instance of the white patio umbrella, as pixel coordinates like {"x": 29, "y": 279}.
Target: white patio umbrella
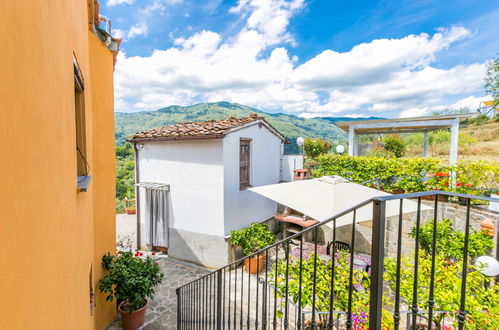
{"x": 327, "y": 196}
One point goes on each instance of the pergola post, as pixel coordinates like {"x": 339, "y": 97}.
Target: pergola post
{"x": 425, "y": 145}
{"x": 454, "y": 137}
{"x": 352, "y": 141}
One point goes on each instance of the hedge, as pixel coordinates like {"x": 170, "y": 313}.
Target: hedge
{"x": 404, "y": 174}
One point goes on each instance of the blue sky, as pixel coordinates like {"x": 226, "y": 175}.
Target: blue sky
{"x": 309, "y": 58}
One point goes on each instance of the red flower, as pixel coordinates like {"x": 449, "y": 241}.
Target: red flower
{"x": 468, "y": 185}
{"x": 442, "y": 174}
{"x": 153, "y": 253}
{"x": 459, "y": 184}
{"x": 119, "y": 252}
{"x": 446, "y": 184}
{"x": 141, "y": 254}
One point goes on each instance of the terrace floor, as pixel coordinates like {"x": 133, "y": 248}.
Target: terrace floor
{"x": 162, "y": 310}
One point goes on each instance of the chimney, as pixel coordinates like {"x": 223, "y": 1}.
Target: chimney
{"x": 96, "y": 13}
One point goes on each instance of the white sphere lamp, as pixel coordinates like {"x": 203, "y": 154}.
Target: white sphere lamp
{"x": 340, "y": 149}
{"x": 488, "y": 266}
{"x": 300, "y": 141}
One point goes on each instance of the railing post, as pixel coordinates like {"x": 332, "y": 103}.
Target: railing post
{"x": 219, "y": 300}
{"x": 377, "y": 257}
{"x": 179, "y": 310}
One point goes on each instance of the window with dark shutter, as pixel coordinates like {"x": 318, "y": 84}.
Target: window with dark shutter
{"x": 81, "y": 143}
{"x": 244, "y": 163}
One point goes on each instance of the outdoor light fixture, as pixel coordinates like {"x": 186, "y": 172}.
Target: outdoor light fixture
{"x": 488, "y": 266}
{"x": 340, "y": 149}
{"x": 300, "y": 141}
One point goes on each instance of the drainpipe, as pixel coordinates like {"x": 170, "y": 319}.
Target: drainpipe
{"x": 137, "y": 192}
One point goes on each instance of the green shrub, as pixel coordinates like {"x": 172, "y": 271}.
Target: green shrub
{"x": 253, "y": 238}
{"x": 406, "y": 173}
{"x": 323, "y": 284}
{"x": 395, "y": 145}
{"x": 130, "y": 279}
{"x": 482, "y": 302}
{"x": 316, "y": 147}
{"x": 450, "y": 242}
{"x": 479, "y": 120}
{"x": 361, "y": 169}
{"x": 378, "y": 151}
{"x": 478, "y": 174}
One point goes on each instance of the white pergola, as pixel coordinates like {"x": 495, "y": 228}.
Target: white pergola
{"x": 405, "y": 125}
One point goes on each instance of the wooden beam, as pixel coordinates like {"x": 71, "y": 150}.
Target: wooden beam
{"x": 408, "y": 124}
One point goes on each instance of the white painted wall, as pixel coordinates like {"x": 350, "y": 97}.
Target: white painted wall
{"x": 243, "y": 207}
{"x": 288, "y": 164}
{"x": 194, "y": 171}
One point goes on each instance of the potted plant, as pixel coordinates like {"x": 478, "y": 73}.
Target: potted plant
{"x": 131, "y": 210}
{"x": 131, "y": 280}
{"x": 130, "y": 206}
{"x": 440, "y": 181}
{"x": 251, "y": 239}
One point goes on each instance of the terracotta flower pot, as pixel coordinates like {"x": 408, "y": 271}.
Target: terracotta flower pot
{"x": 254, "y": 264}
{"x": 131, "y": 211}
{"x": 133, "y": 320}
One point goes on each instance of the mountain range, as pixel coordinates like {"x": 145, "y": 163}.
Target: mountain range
{"x": 291, "y": 126}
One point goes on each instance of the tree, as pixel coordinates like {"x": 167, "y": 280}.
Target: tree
{"x": 316, "y": 147}
{"x": 492, "y": 80}
{"x": 394, "y": 144}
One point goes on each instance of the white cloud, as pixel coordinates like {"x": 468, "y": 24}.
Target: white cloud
{"x": 396, "y": 75}
{"x": 139, "y": 29}
{"x": 118, "y": 33}
{"x": 111, "y": 3}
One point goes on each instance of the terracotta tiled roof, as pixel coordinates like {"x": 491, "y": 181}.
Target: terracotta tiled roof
{"x": 199, "y": 130}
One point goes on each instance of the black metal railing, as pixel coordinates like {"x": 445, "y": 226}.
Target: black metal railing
{"x": 301, "y": 287}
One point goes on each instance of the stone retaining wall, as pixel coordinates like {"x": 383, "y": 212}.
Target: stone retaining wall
{"x": 445, "y": 210}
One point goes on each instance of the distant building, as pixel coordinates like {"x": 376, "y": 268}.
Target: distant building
{"x": 207, "y": 167}
{"x": 57, "y": 186}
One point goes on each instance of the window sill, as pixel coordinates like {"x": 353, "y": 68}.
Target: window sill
{"x": 245, "y": 187}
{"x": 83, "y": 182}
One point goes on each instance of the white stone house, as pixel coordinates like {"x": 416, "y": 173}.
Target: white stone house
{"x": 207, "y": 166}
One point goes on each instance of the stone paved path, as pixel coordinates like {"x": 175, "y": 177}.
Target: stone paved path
{"x": 162, "y": 310}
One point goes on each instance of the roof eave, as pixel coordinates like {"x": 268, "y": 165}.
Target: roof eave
{"x": 265, "y": 123}
{"x": 176, "y": 138}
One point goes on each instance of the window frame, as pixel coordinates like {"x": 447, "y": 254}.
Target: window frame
{"x": 246, "y": 183}
{"x": 82, "y": 166}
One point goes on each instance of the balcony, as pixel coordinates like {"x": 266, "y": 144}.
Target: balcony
{"x": 410, "y": 278}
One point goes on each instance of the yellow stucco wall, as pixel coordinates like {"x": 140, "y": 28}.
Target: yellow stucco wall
{"x": 51, "y": 235}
